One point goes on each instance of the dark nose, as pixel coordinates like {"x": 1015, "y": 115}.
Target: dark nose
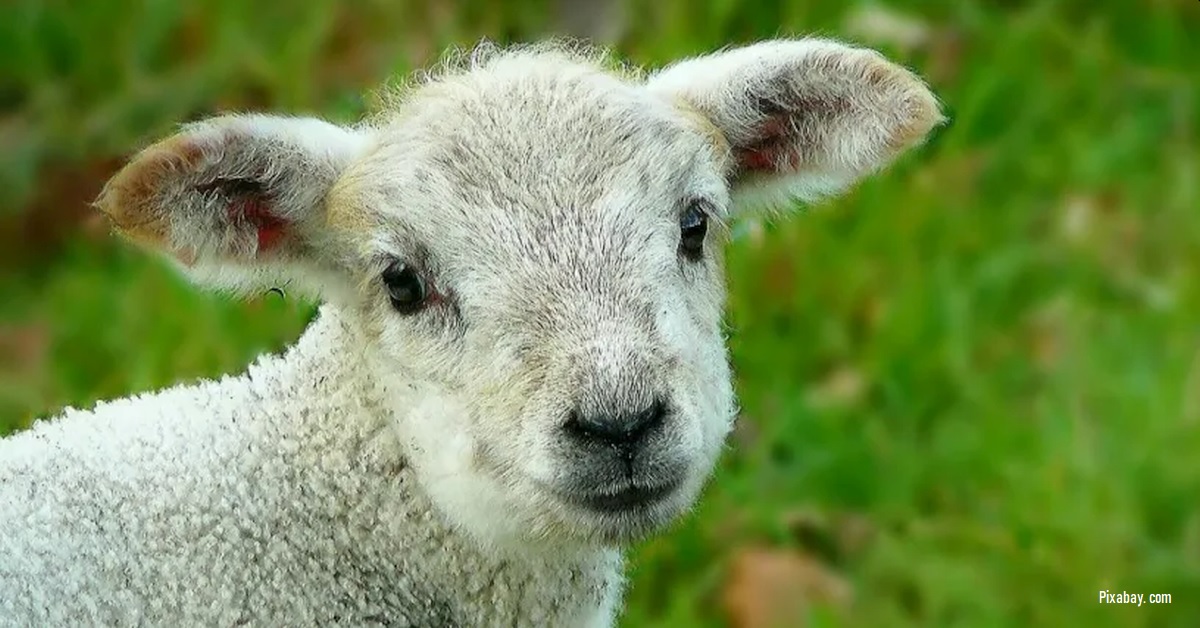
{"x": 622, "y": 428}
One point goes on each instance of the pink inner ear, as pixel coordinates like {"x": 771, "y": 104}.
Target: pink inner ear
{"x": 758, "y": 159}
{"x": 254, "y": 210}
{"x": 773, "y": 151}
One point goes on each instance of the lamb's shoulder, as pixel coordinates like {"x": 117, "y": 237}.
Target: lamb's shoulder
{"x": 275, "y": 496}
{"x": 255, "y": 421}
{"x": 83, "y": 490}
{"x": 127, "y": 509}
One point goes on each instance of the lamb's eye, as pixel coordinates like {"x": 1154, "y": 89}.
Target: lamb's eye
{"x": 693, "y": 226}
{"x": 405, "y": 286}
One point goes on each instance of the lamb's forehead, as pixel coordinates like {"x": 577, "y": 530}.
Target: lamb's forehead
{"x": 531, "y": 139}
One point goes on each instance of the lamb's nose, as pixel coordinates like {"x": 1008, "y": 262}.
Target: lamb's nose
{"x": 621, "y": 428}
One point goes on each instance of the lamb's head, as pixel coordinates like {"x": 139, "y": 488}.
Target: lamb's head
{"x": 531, "y": 247}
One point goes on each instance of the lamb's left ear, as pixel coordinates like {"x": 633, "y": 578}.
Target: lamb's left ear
{"x": 802, "y": 118}
{"x": 238, "y": 200}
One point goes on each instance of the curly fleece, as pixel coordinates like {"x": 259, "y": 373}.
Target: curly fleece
{"x": 277, "y": 497}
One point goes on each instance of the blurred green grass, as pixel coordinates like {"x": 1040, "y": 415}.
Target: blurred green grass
{"x": 986, "y": 360}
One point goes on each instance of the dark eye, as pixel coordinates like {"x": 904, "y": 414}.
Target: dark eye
{"x": 693, "y": 226}
{"x": 405, "y": 286}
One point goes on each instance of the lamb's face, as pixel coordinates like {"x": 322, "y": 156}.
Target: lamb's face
{"x": 570, "y": 368}
{"x": 532, "y": 249}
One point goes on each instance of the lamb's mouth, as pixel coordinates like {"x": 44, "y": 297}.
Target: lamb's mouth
{"x": 626, "y": 498}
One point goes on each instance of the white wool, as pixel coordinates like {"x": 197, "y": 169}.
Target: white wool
{"x": 276, "y": 498}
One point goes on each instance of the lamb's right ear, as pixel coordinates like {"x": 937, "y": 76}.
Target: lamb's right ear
{"x": 238, "y": 200}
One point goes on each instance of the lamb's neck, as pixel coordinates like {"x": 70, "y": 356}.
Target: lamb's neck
{"x": 342, "y": 422}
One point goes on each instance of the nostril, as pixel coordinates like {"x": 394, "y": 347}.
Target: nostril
{"x": 651, "y": 417}
{"x": 617, "y": 428}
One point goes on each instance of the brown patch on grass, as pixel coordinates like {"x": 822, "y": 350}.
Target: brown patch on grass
{"x": 835, "y": 536}
{"x": 61, "y": 203}
{"x": 746, "y": 432}
{"x": 26, "y": 346}
{"x": 363, "y": 42}
{"x": 844, "y": 386}
{"x": 777, "y": 587}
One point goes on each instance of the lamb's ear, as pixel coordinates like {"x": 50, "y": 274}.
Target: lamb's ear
{"x": 238, "y": 200}
{"x": 802, "y": 118}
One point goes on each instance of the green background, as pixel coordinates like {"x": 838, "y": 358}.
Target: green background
{"x": 970, "y": 388}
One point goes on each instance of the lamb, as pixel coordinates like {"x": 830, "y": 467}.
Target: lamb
{"x": 518, "y": 368}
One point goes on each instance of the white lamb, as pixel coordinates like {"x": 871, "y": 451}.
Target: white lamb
{"x": 519, "y": 368}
